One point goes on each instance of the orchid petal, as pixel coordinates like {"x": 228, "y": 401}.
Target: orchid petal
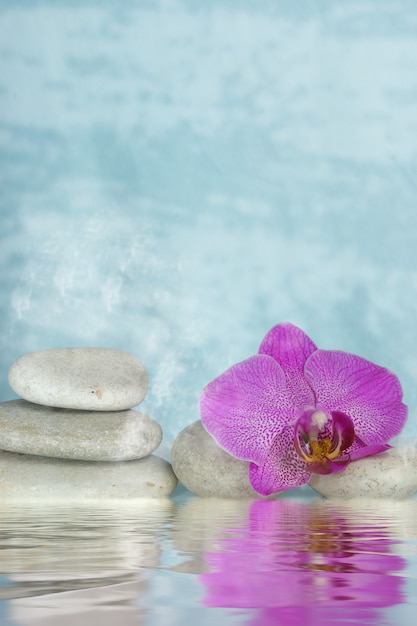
{"x": 282, "y": 469}
{"x": 290, "y": 347}
{"x": 363, "y": 451}
{"x": 340, "y": 464}
{"x": 369, "y": 394}
{"x": 246, "y": 407}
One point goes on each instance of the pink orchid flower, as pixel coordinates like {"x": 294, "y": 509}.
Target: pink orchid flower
{"x": 292, "y": 410}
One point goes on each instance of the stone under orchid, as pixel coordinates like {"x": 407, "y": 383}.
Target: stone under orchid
{"x": 292, "y": 410}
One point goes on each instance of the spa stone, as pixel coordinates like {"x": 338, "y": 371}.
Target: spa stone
{"x": 29, "y": 428}
{"x": 206, "y": 469}
{"x": 27, "y": 478}
{"x": 391, "y": 474}
{"x": 92, "y": 379}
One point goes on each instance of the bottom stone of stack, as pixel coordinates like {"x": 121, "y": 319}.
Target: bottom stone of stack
{"x": 28, "y": 477}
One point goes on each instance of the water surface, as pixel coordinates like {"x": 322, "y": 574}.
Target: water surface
{"x": 290, "y": 561}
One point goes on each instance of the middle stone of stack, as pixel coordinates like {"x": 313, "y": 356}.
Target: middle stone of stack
{"x": 28, "y": 428}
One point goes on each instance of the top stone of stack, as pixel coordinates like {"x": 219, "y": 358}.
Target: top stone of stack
{"x": 91, "y": 379}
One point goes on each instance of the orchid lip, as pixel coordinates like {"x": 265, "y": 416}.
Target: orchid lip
{"x": 321, "y": 438}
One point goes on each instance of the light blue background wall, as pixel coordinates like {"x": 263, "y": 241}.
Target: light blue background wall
{"x": 179, "y": 176}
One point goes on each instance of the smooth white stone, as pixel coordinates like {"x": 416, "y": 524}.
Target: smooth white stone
{"x": 206, "y": 469}
{"x": 25, "y": 477}
{"x": 391, "y": 474}
{"x": 92, "y": 379}
{"x": 29, "y": 428}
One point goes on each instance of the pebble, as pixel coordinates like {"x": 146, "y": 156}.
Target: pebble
{"x": 28, "y": 478}
{"x": 206, "y": 469}
{"x": 391, "y": 474}
{"x": 29, "y": 428}
{"x": 92, "y": 379}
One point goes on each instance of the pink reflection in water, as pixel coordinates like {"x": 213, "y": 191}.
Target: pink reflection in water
{"x": 304, "y": 565}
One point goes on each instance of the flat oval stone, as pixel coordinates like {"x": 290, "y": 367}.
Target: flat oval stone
{"x": 206, "y": 469}
{"x": 29, "y": 428}
{"x": 26, "y": 477}
{"x": 92, "y": 379}
{"x": 391, "y": 474}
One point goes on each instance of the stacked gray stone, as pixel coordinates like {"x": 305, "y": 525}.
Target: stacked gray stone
{"x": 74, "y": 433}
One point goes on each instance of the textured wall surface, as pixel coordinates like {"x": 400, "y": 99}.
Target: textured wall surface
{"x": 179, "y": 176}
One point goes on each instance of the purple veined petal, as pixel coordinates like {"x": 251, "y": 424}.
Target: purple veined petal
{"x": 282, "y": 469}
{"x": 246, "y": 407}
{"x": 362, "y": 451}
{"x": 290, "y": 347}
{"x": 340, "y": 464}
{"x": 369, "y": 394}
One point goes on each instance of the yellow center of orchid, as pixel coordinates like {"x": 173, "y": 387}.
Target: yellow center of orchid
{"x": 319, "y": 450}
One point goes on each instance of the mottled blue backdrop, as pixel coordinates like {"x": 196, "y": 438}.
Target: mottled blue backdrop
{"x": 179, "y": 176}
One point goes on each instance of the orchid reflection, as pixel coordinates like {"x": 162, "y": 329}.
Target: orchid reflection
{"x": 301, "y": 564}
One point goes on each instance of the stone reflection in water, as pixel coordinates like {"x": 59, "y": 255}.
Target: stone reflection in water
{"x": 68, "y": 563}
{"x": 397, "y": 518}
{"x": 198, "y": 526}
{"x": 299, "y": 563}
